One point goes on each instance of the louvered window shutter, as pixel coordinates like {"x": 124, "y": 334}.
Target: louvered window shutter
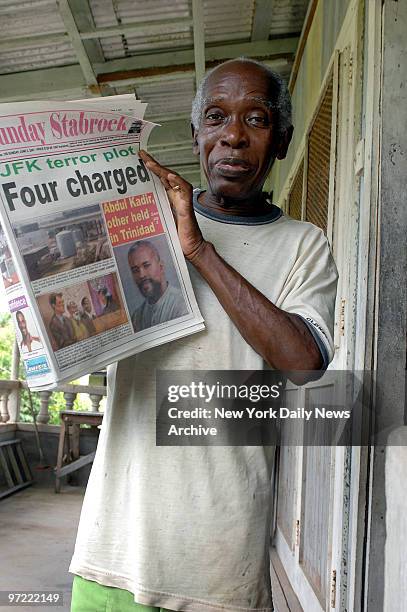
{"x": 319, "y": 153}
{"x": 295, "y": 195}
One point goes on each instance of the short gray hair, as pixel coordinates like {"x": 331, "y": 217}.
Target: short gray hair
{"x": 280, "y": 102}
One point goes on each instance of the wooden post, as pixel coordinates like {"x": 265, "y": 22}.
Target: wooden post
{"x": 199, "y": 51}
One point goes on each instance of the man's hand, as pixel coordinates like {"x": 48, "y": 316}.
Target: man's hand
{"x": 179, "y": 193}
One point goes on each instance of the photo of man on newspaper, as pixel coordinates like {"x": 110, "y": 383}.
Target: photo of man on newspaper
{"x": 29, "y": 341}
{"x": 78, "y": 312}
{"x": 87, "y": 315}
{"x": 61, "y": 242}
{"x": 151, "y": 286}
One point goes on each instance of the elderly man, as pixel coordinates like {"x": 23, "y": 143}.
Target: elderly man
{"x": 188, "y": 528}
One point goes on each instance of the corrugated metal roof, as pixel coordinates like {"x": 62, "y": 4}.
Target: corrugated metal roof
{"x": 288, "y": 17}
{"x": 168, "y": 100}
{"x": 226, "y": 21}
{"x": 23, "y": 18}
{"x": 130, "y": 11}
{"x": 229, "y": 20}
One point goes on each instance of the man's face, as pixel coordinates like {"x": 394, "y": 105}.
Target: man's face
{"x": 236, "y": 139}
{"x": 22, "y": 324}
{"x": 59, "y": 305}
{"x": 148, "y": 273}
{"x": 73, "y": 310}
{"x": 86, "y": 305}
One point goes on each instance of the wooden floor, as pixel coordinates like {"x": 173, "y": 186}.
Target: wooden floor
{"x": 284, "y": 598}
{"x": 37, "y": 534}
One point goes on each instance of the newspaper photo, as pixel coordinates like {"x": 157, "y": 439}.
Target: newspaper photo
{"x": 89, "y": 254}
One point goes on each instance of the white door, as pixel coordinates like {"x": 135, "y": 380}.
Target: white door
{"x": 314, "y": 482}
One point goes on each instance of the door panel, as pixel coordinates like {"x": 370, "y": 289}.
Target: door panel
{"x": 312, "y": 499}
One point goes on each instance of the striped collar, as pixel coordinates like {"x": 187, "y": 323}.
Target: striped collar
{"x": 274, "y": 214}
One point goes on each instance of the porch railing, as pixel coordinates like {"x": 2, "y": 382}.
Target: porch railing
{"x": 10, "y": 395}
{"x": 10, "y": 399}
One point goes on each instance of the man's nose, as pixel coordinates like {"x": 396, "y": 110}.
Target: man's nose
{"x": 234, "y": 134}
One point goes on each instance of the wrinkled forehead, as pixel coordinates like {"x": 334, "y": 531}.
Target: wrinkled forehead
{"x": 257, "y": 100}
{"x": 239, "y": 80}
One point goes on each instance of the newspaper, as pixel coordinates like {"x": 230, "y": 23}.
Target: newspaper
{"x": 89, "y": 254}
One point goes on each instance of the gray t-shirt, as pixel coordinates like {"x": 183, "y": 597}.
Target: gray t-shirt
{"x": 188, "y": 527}
{"x": 171, "y": 305}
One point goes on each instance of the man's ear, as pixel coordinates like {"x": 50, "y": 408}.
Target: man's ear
{"x": 285, "y": 140}
{"x": 195, "y": 145}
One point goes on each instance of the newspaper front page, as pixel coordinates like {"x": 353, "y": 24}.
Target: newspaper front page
{"x": 89, "y": 254}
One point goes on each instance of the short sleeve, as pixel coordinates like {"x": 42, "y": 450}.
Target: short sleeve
{"x": 310, "y": 290}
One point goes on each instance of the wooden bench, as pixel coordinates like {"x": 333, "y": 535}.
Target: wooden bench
{"x": 15, "y": 467}
{"x": 69, "y": 459}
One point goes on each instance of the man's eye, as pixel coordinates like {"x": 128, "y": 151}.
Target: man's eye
{"x": 257, "y": 120}
{"x": 213, "y": 117}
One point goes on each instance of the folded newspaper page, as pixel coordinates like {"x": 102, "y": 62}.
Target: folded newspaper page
{"x": 89, "y": 254}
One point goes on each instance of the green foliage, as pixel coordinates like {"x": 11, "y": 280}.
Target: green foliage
{"x": 57, "y": 401}
{"x": 6, "y": 344}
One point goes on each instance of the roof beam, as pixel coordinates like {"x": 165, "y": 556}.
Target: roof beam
{"x": 37, "y": 84}
{"x": 262, "y": 19}
{"x": 87, "y": 30}
{"x": 80, "y": 51}
{"x": 163, "y": 75}
{"x": 281, "y": 47}
{"x": 199, "y": 40}
{"x": 84, "y": 21}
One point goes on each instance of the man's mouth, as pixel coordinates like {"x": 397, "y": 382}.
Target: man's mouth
{"x": 146, "y": 284}
{"x": 233, "y": 167}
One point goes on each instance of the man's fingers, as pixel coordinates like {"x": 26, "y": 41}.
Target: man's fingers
{"x": 169, "y": 179}
{"x": 179, "y": 185}
{"x": 154, "y": 166}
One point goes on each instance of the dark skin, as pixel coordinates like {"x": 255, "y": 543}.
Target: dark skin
{"x": 237, "y": 142}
